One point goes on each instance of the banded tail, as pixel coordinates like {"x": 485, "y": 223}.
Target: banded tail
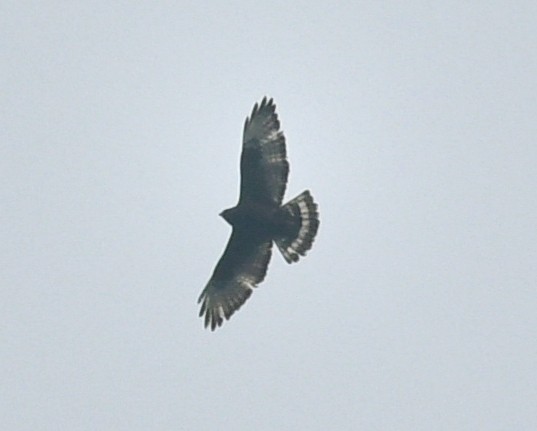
{"x": 301, "y": 222}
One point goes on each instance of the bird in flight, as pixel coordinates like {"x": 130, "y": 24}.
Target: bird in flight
{"x": 259, "y": 219}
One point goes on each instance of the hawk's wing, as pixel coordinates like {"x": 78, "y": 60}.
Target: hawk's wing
{"x": 264, "y": 166}
{"x": 242, "y": 266}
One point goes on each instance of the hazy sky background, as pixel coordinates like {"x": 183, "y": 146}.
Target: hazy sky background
{"x": 414, "y": 125}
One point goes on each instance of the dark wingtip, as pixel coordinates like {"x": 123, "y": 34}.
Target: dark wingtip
{"x": 259, "y": 106}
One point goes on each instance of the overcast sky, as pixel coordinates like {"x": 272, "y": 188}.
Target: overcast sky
{"x": 412, "y": 123}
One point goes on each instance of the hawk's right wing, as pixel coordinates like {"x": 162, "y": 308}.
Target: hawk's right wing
{"x": 241, "y": 268}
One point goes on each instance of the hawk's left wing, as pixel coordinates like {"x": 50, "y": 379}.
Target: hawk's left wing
{"x": 241, "y": 268}
{"x": 264, "y": 165}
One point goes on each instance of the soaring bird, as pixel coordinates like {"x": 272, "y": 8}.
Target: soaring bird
{"x": 258, "y": 219}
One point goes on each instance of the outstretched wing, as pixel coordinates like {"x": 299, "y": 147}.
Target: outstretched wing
{"x": 264, "y": 166}
{"x": 241, "y": 268}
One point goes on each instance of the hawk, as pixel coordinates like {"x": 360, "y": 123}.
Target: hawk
{"x": 259, "y": 219}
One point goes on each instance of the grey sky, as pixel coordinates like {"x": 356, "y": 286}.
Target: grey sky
{"x": 415, "y": 129}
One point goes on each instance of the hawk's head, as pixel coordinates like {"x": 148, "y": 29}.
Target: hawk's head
{"x": 228, "y": 215}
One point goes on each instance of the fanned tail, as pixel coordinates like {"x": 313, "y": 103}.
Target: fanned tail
{"x": 300, "y": 219}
